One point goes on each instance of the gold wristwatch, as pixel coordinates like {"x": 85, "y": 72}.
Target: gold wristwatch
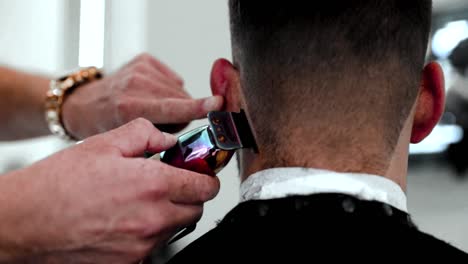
{"x": 56, "y": 96}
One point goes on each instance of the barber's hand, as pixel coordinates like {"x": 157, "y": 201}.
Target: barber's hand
{"x": 98, "y": 202}
{"x": 146, "y": 88}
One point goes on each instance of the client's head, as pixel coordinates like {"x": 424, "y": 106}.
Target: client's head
{"x": 459, "y": 58}
{"x": 335, "y": 85}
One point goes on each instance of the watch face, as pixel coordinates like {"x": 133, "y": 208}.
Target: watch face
{"x": 197, "y": 151}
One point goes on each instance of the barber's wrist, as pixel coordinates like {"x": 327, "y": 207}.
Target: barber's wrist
{"x": 13, "y": 240}
{"x": 57, "y": 95}
{"x": 33, "y": 111}
{"x": 27, "y": 234}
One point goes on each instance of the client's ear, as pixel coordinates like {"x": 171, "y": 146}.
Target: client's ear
{"x": 430, "y": 103}
{"x": 225, "y": 81}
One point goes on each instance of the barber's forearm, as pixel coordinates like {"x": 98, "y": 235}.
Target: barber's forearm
{"x": 22, "y": 98}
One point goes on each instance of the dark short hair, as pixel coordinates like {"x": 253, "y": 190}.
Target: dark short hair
{"x": 459, "y": 57}
{"x": 325, "y": 63}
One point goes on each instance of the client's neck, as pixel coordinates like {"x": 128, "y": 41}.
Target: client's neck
{"x": 327, "y": 158}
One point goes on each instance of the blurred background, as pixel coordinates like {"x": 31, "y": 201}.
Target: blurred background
{"x": 55, "y": 37}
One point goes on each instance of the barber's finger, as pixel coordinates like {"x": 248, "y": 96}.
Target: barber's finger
{"x": 138, "y": 136}
{"x": 157, "y": 76}
{"x": 176, "y": 111}
{"x": 158, "y": 65}
{"x": 156, "y": 87}
{"x": 186, "y": 187}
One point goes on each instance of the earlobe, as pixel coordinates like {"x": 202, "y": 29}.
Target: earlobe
{"x": 430, "y": 103}
{"x": 225, "y": 82}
